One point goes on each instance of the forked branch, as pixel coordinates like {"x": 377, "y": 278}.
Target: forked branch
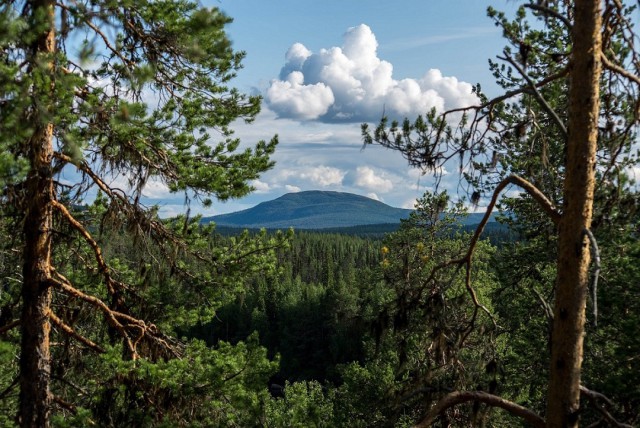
{"x": 547, "y": 206}
{"x": 595, "y": 397}
{"x": 102, "y": 264}
{"x": 610, "y": 65}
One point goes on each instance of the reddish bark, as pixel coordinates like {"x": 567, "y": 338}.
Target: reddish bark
{"x": 563, "y": 399}
{"x": 35, "y": 395}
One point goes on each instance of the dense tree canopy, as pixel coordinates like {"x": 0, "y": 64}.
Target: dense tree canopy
{"x": 569, "y": 117}
{"x": 131, "y": 92}
{"x": 111, "y": 316}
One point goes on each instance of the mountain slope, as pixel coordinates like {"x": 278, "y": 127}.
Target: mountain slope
{"x": 313, "y": 210}
{"x": 317, "y": 209}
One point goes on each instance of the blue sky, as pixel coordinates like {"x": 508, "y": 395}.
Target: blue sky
{"x": 324, "y": 67}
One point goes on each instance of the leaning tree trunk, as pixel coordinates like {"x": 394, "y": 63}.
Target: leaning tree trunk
{"x": 574, "y": 257}
{"x": 35, "y": 395}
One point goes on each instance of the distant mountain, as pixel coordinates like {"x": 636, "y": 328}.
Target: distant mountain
{"x": 317, "y": 210}
{"x": 313, "y": 210}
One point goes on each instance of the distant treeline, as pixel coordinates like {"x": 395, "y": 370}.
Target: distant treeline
{"x": 496, "y": 232}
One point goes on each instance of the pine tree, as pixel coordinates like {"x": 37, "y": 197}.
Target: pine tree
{"x": 560, "y": 69}
{"x": 128, "y": 90}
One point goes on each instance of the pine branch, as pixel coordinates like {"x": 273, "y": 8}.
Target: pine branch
{"x": 112, "y": 316}
{"x": 125, "y": 324}
{"x": 594, "y": 397}
{"x": 550, "y": 12}
{"x": 460, "y": 397}
{"x": 103, "y": 268}
{"x": 537, "y": 94}
{"x": 71, "y": 332}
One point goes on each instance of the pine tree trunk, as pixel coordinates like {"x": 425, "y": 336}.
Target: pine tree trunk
{"x": 35, "y": 395}
{"x": 574, "y": 255}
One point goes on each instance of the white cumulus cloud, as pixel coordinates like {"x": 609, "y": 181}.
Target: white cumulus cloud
{"x": 323, "y": 175}
{"x": 292, "y": 98}
{"x": 367, "y": 178}
{"x": 292, "y": 189}
{"x": 351, "y": 84}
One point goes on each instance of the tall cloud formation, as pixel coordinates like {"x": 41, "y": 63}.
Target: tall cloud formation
{"x": 351, "y": 84}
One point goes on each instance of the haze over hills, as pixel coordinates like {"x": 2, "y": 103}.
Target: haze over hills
{"x": 317, "y": 209}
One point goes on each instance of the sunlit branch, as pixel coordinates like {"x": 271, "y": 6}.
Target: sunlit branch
{"x": 63, "y": 284}
{"x": 71, "y": 332}
{"x": 102, "y": 264}
{"x": 544, "y": 203}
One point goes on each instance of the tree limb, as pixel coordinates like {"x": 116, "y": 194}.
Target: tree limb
{"x": 71, "y": 332}
{"x": 5, "y": 328}
{"x": 102, "y": 264}
{"x": 544, "y": 203}
{"x": 548, "y": 11}
{"x": 537, "y": 94}
{"x": 610, "y": 65}
{"x": 460, "y": 397}
{"x": 510, "y": 94}
{"x": 593, "y": 397}
{"x": 63, "y": 283}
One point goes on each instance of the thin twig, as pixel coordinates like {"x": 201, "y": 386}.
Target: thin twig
{"x": 537, "y": 94}
{"x": 596, "y": 257}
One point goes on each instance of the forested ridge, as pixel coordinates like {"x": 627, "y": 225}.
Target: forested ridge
{"x": 113, "y": 316}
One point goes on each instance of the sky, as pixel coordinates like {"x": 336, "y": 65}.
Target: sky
{"x": 325, "y": 67}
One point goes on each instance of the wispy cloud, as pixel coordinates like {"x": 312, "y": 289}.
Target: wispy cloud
{"x": 418, "y": 42}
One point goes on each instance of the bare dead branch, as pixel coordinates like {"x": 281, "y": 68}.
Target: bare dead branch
{"x": 537, "y": 195}
{"x": 460, "y": 397}
{"x": 594, "y": 397}
{"x": 610, "y": 65}
{"x": 102, "y": 36}
{"x": 71, "y": 332}
{"x": 596, "y": 273}
{"x": 510, "y": 94}
{"x": 65, "y": 404}
{"x": 65, "y": 285}
{"x": 102, "y": 264}
{"x": 545, "y": 305}
{"x": 9, "y": 388}
{"x": 544, "y": 203}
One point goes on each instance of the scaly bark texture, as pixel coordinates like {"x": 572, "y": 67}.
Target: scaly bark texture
{"x": 574, "y": 257}
{"x": 35, "y": 395}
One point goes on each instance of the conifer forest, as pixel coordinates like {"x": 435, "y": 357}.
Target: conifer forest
{"x": 114, "y": 316}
